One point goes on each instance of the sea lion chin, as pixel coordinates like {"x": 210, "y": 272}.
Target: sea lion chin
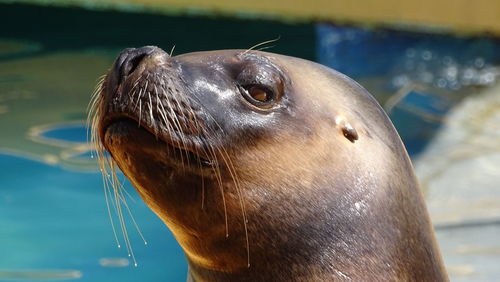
{"x": 266, "y": 167}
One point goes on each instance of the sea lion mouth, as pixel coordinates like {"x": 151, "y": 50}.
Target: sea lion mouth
{"x": 121, "y": 125}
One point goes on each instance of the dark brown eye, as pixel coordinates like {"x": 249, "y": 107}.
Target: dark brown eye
{"x": 258, "y": 95}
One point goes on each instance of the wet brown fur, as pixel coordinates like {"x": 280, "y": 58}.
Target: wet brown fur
{"x": 302, "y": 202}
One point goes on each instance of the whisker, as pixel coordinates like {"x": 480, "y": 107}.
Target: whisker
{"x": 218, "y": 177}
{"x": 235, "y": 178}
{"x": 106, "y": 191}
{"x": 215, "y": 167}
{"x": 123, "y": 200}
{"x": 139, "y": 96}
{"x": 151, "y": 114}
{"x": 117, "y": 194}
{"x": 266, "y": 47}
{"x": 176, "y": 116}
{"x": 230, "y": 166}
{"x": 140, "y": 112}
{"x": 111, "y": 184}
{"x": 260, "y": 44}
{"x": 175, "y": 124}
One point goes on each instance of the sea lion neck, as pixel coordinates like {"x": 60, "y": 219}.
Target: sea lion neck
{"x": 317, "y": 222}
{"x": 332, "y": 237}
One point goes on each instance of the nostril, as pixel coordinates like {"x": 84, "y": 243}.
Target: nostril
{"x": 130, "y": 65}
{"x": 129, "y": 59}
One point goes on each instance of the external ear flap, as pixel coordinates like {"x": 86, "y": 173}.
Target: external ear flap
{"x": 346, "y": 128}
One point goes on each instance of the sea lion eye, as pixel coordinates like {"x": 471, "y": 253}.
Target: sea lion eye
{"x": 258, "y": 95}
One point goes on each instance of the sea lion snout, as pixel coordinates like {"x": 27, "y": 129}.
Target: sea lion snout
{"x": 144, "y": 86}
{"x": 130, "y": 58}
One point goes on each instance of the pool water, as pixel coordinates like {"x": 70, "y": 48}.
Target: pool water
{"x": 58, "y": 228}
{"x": 71, "y": 133}
{"x": 54, "y": 224}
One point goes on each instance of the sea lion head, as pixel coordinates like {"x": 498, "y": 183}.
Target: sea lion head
{"x": 254, "y": 157}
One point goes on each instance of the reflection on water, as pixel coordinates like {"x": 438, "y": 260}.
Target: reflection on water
{"x": 30, "y": 275}
{"x": 114, "y": 262}
{"x": 72, "y": 138}
{"x": 423, "y": 66}
{"x": 11, "y": 48}
{"x": 74, "y": 133}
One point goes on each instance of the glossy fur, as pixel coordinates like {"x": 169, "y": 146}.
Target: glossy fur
{"x": 319, "y": 204}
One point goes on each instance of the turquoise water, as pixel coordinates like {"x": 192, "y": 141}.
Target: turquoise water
{"x": 55, "y": 219}
{"x": 71, "y": 133}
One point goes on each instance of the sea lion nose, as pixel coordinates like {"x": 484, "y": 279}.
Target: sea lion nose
{"x": 129, "y": 59}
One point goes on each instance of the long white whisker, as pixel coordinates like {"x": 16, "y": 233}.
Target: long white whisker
{"x": 262, "y": 43}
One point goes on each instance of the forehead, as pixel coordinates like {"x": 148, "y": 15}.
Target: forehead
{"x": 218, "y": 56}
{"x": 232, "y": 64}
{"x": 229, "y": 56}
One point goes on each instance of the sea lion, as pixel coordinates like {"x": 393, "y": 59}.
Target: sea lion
{"x": 266, "y": 167}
